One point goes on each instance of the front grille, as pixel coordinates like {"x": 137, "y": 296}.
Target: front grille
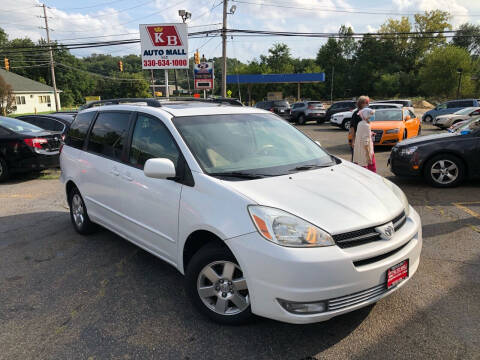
{"x": 379, "y": 257}
{"x": 356, "y": 298}
{"x": 367, "y": 235}
{"x": 378, "y": 135}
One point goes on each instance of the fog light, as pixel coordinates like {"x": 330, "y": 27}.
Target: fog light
{"x": 303, "y": 308}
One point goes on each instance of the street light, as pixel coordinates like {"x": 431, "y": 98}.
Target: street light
{"x": 459, "y": 71}
{"x": 232, "y": 10}
{"x": 185, "y": 15}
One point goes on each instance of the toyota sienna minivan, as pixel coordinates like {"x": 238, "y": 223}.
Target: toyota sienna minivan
{"x": 258, "y": 217}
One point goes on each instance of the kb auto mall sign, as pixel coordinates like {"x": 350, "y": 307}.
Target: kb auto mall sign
{"x": 164, "y": 46}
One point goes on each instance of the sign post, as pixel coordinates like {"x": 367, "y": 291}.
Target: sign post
{"x": 164, "y": 46}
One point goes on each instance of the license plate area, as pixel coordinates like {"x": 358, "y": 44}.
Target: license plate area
{"x": 397, "y": 273}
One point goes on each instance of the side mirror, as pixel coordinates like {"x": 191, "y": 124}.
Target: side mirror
{"x": 159, "y": 168}
{"x": 408, "y": 117}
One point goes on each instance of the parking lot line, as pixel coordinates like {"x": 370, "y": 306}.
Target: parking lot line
{"x": 463, "y": 206}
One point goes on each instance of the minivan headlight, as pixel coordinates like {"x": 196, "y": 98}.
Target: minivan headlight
{"x": 285, "y": 229}
{"x": 399, "y": 194}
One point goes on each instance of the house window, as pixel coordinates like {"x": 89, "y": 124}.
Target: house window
{"x": 44, "y": 99}
{"x": 20, "y": 100}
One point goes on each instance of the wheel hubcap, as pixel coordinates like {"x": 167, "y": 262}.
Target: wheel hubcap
{"x": 222, "y": 288}
{"x": 77, "y": 210}
{"x": 347, "y": 125}
{"x": 444, "y": 171}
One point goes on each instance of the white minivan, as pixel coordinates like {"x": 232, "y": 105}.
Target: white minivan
{"x": 257, "y": 216}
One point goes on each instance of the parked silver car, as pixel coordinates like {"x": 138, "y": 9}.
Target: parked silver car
{"x": 445, "y": 121}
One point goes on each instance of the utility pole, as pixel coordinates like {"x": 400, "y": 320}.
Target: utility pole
{"x": 224, "y": 49}
{"x": 52, "y": 65}
{"x": 331, "y": 85}
{"x": 153, "y": 84}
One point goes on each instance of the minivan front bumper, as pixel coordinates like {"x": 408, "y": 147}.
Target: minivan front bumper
{"x": 342, "y": 279}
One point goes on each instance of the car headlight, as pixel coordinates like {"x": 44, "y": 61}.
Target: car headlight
{"x": 408, "y": 151}
{"x": 393, "y": 131}
{"x": 285, "y": 229}
{"x": 399, "y": 194}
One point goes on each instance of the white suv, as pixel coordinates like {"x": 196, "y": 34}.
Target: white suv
{"x": 259, "y": 218}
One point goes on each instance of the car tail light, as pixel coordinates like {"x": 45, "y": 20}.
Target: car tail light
{"x": 35, "y": 142}
{"x": 311, "y": 107}
{"x": 271, "y": 109}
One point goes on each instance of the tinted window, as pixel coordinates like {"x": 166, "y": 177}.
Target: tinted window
{"x": 453, "y": 104}
{"x": 46, "y": 123}
{"x": 442, "y": 106}
{"x": 281, "y": 103}
{"x": 465, "y": 103}
{"x": 108, "y": 134}
{"x": 412, "y": 114}
{"x": 78, "y": 130}
{"x": 151, "y": 139}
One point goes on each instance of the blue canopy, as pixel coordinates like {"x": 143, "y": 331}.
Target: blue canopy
{"x": 275, "y": 78}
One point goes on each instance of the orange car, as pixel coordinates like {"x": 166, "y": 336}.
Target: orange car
{"x": 393, "y": 125}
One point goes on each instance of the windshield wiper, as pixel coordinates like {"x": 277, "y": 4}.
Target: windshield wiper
{"x": 309, "y": 167}
{"x": 238, "y": 174}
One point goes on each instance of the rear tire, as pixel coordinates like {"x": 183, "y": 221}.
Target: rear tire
{"x": 346, "y": 124}
{"x": 78, "y": 213}
{"x": 301, "y": 120}
{"x": 4, "y": 174}
{"x": 444, "y": 170}
{"x": 216, "y": 285}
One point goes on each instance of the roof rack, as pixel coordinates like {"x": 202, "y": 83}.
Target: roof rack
{"x": 158, "y": 102}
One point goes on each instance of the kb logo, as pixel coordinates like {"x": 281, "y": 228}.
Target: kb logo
{"x": 164, "y": 35}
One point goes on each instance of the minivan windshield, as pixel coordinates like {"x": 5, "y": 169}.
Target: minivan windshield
{"x": 249, "y": 144}
{"x": 18, "y": 125}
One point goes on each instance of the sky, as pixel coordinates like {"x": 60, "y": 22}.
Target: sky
{"x": 74, "y": 21}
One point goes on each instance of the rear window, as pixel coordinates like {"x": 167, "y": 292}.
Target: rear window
{"x": 109, "y": 133}
{"x": 315, "y": 103}
{"x": 18, "y": 126}
{"x": 281, "y": 103}
{"x": 78, "y": 130}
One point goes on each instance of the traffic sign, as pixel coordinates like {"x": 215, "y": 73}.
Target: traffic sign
{"x": 203, "y": 75}
{"x": 164, "y": 46}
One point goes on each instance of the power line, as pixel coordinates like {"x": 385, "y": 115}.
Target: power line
{"x": 92, "y": 6}
{"x": 360, "y": 12}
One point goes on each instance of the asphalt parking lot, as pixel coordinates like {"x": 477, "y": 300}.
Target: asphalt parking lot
{"x": 65, "y": 296}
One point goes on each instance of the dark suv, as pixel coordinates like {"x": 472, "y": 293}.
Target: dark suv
{"x": 340, "y": 106}
{"x": 279, "y": 107}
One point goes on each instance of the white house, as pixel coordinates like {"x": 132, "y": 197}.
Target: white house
{"x": 30, "y": 96}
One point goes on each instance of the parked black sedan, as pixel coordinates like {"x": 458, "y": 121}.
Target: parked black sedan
{"x": 58, "y": 122}
{"x": 444, "y": 160}
{"x": 25, "y": 147}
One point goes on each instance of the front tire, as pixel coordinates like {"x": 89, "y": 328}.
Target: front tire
{"x": 444, "y": 170}
{"x": 346, "y": 124}
{"x": 428, "y": 118}
{"x": 78, "y": 213}
{"x": 405, "y": 135}
{"x": 217, "y": 287}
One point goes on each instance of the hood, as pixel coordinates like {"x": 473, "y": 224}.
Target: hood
{"x": 382, "y": 125}
{"x": 426, "y": 139}
{"x": 338, "y": 199}
{"x": 344, "y": 113}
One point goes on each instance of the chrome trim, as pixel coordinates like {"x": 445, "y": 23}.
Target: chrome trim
{"x": 361, "y": 237}
{"x": 356, "y": 298}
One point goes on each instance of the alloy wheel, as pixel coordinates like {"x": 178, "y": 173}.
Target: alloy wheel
{"x": 222, "y": 288}
{"x": 444, "y": 172}
{"x": 78, "y": 210}
{"x": 347, "y": 125}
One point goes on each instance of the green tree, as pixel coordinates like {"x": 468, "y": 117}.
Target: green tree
{"x": 439, "y": 74}
{"x": 430, "y": 24}
{"x": 7, "y": 100}
{"x": 468, "y": 37}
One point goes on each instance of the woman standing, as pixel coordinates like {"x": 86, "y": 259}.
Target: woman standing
{"x": 363, "y": 153}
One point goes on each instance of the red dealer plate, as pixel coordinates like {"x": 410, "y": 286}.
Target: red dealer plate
{"x": 396, "y": 274}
